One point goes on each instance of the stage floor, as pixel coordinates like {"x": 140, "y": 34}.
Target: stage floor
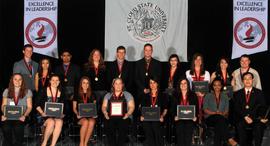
{"x": 74, "y": 141}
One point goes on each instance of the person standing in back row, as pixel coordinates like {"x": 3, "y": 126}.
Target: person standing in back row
{"x": 27, "y": 67}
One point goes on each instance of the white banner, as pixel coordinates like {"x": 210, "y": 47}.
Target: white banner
{"x": 250, "y": 27}
{"x": 133, "y": 23}
{"x": 40, "y": 26}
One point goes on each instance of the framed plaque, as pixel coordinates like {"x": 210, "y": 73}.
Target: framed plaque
{"x": 186, "y": 112}
{"x": 13, "y": 112}
{"x": 229, "y": 91}
{"x": 87, "y": 109}
{"x": 151, "y": 113}
{"x": 200, "y": 86}
{"x": 53, "y": 109}
{"x": 116, "y": 109}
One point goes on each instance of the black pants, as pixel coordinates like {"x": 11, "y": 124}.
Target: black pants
{"x": 257, "y": 129}
{"x": 116, "y": 131}
{"x": 221, "y": 129}
{"x": 184, "y": 131}
{"x": 13, "y": 133}
{"x": 152, "y": 132}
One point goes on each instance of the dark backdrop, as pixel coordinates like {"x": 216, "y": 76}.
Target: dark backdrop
{"x": 81, "y": 28}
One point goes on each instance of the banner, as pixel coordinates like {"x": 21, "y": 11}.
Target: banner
{"x": 250, "y": 27}
{"x": 133, "y": 23}
{"x": 40, "y": 26}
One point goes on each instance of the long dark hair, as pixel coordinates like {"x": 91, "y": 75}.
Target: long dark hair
{"x": 192, "y": 68}
{"x": 178, "y": 90}
{"x": 11, "y": 87}
{"x": 40, "y": 69}
{"x": 218, "y": 69}
{"x": 90, "y": 63}
{"x": 174, "y": 56}
{"x": 89, "y": 90}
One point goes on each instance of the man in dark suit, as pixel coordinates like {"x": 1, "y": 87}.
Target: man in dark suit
{"x": 121, "y": 68}
{"x": 145, "y": 68}
{"x": 27, "y": 67}
{"x": 69, "y": 74}
{"x": 249, "y": 104}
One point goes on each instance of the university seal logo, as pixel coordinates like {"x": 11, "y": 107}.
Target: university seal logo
{"x": 146, "y": 22}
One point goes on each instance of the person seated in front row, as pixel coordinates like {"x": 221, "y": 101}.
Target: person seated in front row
{"x": 249, "y": 104}
{"x": 184, "y": 97}
{"x": 216, "y": 109}
{"x": 53, "y": 126}
{"x": 116, "y": 121}
{"x": 153, "y": 99}
{"x": 84, "y": 95}
{"x": 16, "y": 95}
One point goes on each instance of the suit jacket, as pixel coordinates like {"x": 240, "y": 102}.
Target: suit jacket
{"x": 126, "y": 75}
{"x": 101, "y": 83}
{"x": 73, "y": 75}
{"x": 29, "y": 78}
{"x": 142, "y": 81}
{"x": 177, "y": 75}
{"x": 161, "y": 101}
{"x": 256, "y": 104}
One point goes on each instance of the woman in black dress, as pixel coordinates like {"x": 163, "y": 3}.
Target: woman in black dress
{"x": 84, "y": 95}
{"x": 53, "y": 126}
{"x": 43, "y": 75}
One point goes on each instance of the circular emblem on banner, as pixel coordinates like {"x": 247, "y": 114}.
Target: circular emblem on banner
{"x": 146, "y": 22}
{"x": 40, "y": 32}
{"x": 249, "y": 33}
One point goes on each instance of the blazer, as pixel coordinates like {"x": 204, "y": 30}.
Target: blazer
{"x": 142, "y": 81}
{"x": 161, "y": 101}
{"x": 256, "y": 104}
{"x": 126, "y": 75}
{"x": 73, "y": 75}
{"x": 179, "y": 73}
{"x": 101, "y": 82}
{"x": 29, "y": 78}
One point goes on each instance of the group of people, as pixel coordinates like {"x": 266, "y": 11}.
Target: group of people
{"x": 32, "y": 84}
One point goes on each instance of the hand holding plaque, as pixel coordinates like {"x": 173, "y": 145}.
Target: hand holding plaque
{"x": 87, "y": 110}
{"x": 116, "y": 109}
{"x": 151, "y": 113}
{"x": 53, "y": 109}
{"x": 13, "y": 112}
{"x": 186, "y": 112}
{"x": 200, "y": 86}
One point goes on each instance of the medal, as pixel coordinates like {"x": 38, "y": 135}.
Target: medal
{"x": 146, "y": 74}
{"x": 30, "y": 76}
{"x": 96, "y": 78}
{"x": 224, "y": 88}
{"x": 170, "y": 85}
{"x": 247, "y": 107}
{"x": 119, "y": 76}
{"x": 65, "y": 72}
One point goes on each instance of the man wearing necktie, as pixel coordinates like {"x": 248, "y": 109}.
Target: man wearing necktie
{"x": 121, "y": 68}
{"x": 27, "y": 67}
{"x": 249, "y": 104}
